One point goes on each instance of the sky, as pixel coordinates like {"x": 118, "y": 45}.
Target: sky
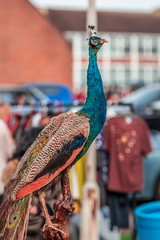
{"x": 108, "y": 5}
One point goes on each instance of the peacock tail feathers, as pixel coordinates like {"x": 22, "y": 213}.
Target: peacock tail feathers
{"x": 14, "y": 218}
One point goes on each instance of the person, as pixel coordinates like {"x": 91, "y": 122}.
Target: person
{"x": 7, "y": 147}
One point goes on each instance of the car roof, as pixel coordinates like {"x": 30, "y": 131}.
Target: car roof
{"x": 41, "y": 84}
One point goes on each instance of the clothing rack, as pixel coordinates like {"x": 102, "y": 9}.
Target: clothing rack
{"x": 21, "y": 119}
{"x": 130, "y": 105}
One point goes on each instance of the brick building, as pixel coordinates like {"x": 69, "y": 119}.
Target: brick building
{"x": 133, "y": 51}
{"x": 31, "y": 48}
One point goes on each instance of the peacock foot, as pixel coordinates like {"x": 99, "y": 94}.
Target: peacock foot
{"x": 53, "y": 232}
{"x": 51, "y": 226}
{"x": 50, "y": 234}
{"x": 62, "y": 207}
{"x": 58, "y": 231}
{"x": 57, "y": 227}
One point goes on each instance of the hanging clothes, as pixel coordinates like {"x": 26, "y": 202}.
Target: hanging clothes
{"x": 102, "y": 157}
{"x": 7, "y": 147}
{"x": 77, "y": 178}
{"x": 127, "y": 141}
{"x": 119, "y": 209}
{"x": 102, "y": 167}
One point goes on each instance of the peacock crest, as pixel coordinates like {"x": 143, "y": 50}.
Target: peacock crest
{"x": 92, "y": 31}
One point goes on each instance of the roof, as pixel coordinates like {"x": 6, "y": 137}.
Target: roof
{"x": 129, "y": 22}
{"x": 31, "y": 47}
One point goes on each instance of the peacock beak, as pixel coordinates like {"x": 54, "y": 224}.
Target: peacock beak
{"x": 103, "y": 41}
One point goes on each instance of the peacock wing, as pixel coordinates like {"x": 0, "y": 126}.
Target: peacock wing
{"x": 14, "y": 213}
{"x": 42, "y": 138}
{"x": 59, "y": 152}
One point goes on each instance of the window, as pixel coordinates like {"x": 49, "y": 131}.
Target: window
{"x": 155, "y": 75}
{"x": 127, "y": 76}
{"x": 113, "y": 45}
{"x": 154, "y": 46}
{"x": 141, "y": 73}
{"x": 120, "y": 45}
{"x": 126, "y": 45}
{"x": 141, "y": 46}
{"x": 113, "y": 75}
{"x": 149, "y": 74}
{"x": 118, "y": 75}
{"x": 147, "y": 45}
{"x": 83, "y": 77}
{"x": 84, "y": 46}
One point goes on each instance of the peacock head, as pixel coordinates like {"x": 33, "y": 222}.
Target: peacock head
{"x": 95, "y": 43}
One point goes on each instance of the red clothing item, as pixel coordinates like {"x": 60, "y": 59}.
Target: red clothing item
{"x": 126, "y": 143}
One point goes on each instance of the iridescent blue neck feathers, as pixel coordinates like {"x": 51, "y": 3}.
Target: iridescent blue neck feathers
{"x": 95, "y": 106}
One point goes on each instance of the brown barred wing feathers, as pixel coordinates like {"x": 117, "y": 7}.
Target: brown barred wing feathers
{"x": 42, "y": 139}
{"x": 60, "y": 151}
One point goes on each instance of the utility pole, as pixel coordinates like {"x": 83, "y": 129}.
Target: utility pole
{"x": 90, "y": 199}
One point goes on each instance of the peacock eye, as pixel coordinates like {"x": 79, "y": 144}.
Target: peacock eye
{"x": 94, "y": 42}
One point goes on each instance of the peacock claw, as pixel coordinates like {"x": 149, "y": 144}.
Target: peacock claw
{"x": 63, "y": 205}
{"x": 51, "y": 234}
{"x": 52, "y": 229}
{"x": 58, "y": 228}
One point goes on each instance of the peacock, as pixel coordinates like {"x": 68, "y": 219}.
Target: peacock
{"x": 64, "y": 140}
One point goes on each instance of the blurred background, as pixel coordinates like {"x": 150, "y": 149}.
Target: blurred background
{"x": 36, "y": 34}
{"x": 43, "y": 72}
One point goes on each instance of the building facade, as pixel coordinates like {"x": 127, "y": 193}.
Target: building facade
{"x": 132, "y": 54}
{"x": 31, "y": 48}
{"x": 125, "y": 60}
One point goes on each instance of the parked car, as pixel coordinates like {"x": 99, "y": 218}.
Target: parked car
{"x": 145, "y": 102}
{"x": 54, "y": 92}
{"x": 16, "y": 96}
{"x": 143, "y": 99}
{"x": 152, "y": 170}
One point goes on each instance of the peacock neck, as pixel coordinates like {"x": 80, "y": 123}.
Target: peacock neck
{"x": 94, "y": 81}
{"x": 95, "y": 106}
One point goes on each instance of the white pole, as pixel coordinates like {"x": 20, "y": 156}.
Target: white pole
{"x": 90, "y": 199}
{"x": 91, "y": 15}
